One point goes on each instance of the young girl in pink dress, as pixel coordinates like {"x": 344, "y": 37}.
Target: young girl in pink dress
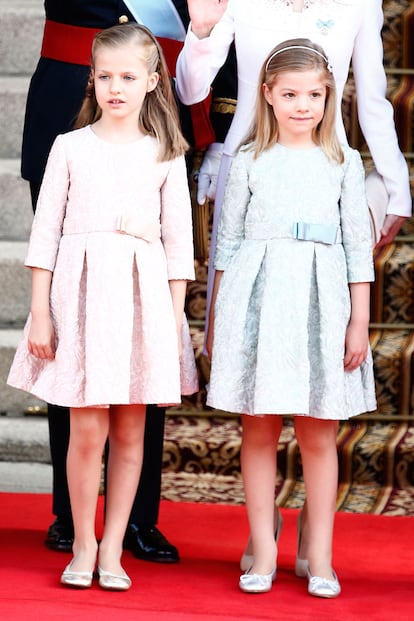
{"x": 110, "y": 252}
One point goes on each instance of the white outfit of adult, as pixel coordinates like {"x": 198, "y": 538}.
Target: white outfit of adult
{"x": 347, "y": 30}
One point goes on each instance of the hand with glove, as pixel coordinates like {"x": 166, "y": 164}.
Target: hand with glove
{"x": 207, "y": 175}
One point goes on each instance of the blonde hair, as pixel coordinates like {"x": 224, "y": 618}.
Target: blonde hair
{"x": 159, "y": 114}
{"x": 295, "y": 55}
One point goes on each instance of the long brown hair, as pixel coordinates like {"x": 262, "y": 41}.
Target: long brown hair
{"x": 159, "y": 114}
{"x": 295, "y": 55}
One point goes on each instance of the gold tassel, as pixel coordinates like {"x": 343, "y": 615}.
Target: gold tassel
{"x": 201, "y": 215}
{"x": 201, "y": 219}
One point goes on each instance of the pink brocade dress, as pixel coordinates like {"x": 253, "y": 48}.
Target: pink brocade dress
{"x": 110, "y": 298}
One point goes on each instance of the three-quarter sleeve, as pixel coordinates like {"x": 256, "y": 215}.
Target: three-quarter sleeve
{"x": 355, "y": 226}
{"x": 176, "y": 222}
{"x": 231, "y": 229}
{"x": 50, "y": 211}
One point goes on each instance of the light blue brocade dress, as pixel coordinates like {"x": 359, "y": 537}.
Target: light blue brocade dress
{"x": 284, "y": 304}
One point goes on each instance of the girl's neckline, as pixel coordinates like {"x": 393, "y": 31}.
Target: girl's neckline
{"x": 298, "y": 149}
{"x": 116, "y": 144}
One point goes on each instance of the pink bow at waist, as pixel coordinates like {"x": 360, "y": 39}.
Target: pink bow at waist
{"x": 133, "y": 225}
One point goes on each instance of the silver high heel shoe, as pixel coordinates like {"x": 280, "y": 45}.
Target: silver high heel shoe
{"x": 77, "y": 579}
{"x": 301, "y": 564}
{"x": 257, "y": 583}
{"x": 113, "y": 582}
{"x": 246, "y": 560}
{"x": 321, "y": 587}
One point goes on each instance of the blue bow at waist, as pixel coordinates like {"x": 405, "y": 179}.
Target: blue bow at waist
{"x": 304, "y": 231}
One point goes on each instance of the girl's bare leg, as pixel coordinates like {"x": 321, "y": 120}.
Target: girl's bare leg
{"x": 88, "y": 432}
{"x": 258, "y": 463}
{"x": 126, "y": 441}
{"x": 317, "y": 442}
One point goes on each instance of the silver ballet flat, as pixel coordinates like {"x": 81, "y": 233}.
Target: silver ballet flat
{"x": 246, "y": 560}
{"x": 257, "y": 583}
{"x": 77, "y": 579}
{"x": 113, "y": 582}
{"x": 321, "y": 587}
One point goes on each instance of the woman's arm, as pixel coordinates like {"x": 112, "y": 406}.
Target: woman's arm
{"x": 41, "y": 340}
{"x": 375, "y": 114}
{"x": 204, "y": 15}
{"x": 201, "y": 58}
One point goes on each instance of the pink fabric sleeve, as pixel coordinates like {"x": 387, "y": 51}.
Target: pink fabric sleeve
{"x": 50, "y": 211}
{"x": 176, "y": 222}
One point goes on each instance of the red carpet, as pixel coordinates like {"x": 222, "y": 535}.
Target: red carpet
{"x": 373, "y": 557}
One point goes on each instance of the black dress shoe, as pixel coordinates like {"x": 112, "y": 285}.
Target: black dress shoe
{"x": 60, "y": 535}
{"x": 149, "y": 544}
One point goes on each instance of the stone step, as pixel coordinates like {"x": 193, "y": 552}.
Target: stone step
{"x": 15, "y": 206}
{"x": 21, "y": 27}
{"x": 24, "y": 439}
{"x": 13, "y": 93}
{"x": 12, "y": 401}
{"x": 15, "y": 283}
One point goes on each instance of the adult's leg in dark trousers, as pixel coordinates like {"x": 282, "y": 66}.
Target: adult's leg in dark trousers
{"x": 60, "y": 533}
{"x": 147, "y": 500}
{"x": 142, "y": 537}
{"x": 59, "y": 430}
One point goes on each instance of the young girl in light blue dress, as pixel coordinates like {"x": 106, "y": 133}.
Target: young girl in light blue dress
{"x": 289, "y": 323}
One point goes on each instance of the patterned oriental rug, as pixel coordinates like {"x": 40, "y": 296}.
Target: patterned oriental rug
{"x": 376, "y": 464}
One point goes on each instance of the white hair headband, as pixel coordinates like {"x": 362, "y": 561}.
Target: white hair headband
{"x": 299, "y": 47}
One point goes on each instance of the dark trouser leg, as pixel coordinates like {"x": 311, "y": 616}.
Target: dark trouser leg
{"x": 60, "y": 533}
{"x": 142, "y": 537}
{"x": 147, "y": 500}
{"x": 59, "y": 429}
{"x": 34, "y": 193}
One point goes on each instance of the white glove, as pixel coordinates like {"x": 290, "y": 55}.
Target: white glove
{"x": 207, "y": 176}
